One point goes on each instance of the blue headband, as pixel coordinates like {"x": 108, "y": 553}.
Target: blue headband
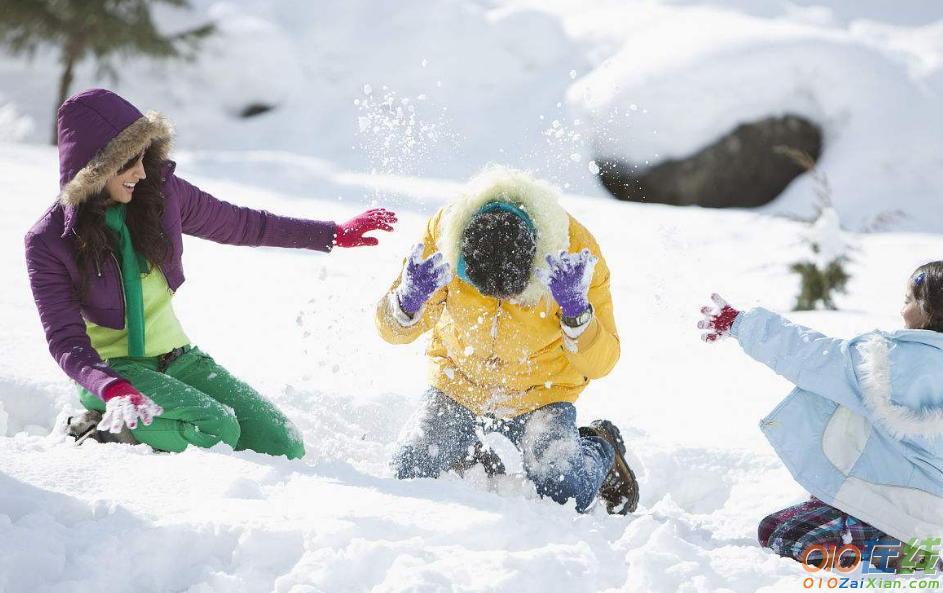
{"x": 491, "y": 207}
{"x": 919, "y": 279}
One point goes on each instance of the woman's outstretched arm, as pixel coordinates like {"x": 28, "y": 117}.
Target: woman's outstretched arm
{"x": 207, "y": 217}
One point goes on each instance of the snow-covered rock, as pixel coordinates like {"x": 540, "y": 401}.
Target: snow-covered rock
{"x": 682, "y": 77}
{"x": 547, "y": 86}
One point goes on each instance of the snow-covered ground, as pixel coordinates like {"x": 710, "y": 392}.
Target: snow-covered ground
{"x": 299, "y": 326}
{"x": 395, "y": 105}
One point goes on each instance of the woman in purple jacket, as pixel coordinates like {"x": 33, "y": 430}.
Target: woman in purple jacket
{"x": 105, "y": 260}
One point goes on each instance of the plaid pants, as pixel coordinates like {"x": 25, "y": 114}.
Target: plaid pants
{"x": 791, "y": 531}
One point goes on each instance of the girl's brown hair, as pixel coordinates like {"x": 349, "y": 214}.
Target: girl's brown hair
{"x": 94, "y": 241}
{"x": 927, "y": 285}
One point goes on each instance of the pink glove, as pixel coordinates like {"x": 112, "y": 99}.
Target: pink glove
{"x": 717, "y": 320}
{"x": 350, "y": 233}
{"x": 124, "y": 405}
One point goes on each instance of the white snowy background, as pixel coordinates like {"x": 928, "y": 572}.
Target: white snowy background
{"x": 396, "y": 105}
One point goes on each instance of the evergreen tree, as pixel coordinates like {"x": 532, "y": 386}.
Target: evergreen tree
{"x": 823, "y": 272}
{"x": 102, "y": 29}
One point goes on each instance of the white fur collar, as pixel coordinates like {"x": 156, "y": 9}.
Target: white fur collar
{"x": 537, "y": 198}
{"x": 874, "y": 375}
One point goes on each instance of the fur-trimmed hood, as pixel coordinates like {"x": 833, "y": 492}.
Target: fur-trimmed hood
{"x": 98, "y": 132}
{"x": 537, "y": 198}
{"x": 900, "y": 383}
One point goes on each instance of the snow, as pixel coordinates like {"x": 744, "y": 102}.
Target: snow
{"x": 643, "y": 80}
{"x": 826, "y": 235}
{"x": 125, "y": 518}
{"x": 700, "y": 71}
{"x": 222, "y": 521}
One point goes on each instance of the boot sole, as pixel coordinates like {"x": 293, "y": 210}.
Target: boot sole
{"x": 91, "y": 432}
{"x": 83, "y": 426}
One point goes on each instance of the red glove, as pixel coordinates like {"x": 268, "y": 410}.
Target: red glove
{"x": 717, "y": 320}
{"x": 350, "y": 233}
{"x": 124, "y": 405}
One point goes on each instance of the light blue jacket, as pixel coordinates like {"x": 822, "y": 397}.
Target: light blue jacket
{"x": 863, "y": 429}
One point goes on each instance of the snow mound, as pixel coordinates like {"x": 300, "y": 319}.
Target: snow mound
{"x": 441, "y": 88}
{"x": 684, "y": 77}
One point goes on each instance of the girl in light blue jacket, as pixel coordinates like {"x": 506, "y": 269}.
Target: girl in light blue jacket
{"x": 863, "y": 429}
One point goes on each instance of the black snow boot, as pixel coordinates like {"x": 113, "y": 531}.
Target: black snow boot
{"x": 486, "y": 457}
{"x": 85, "y": 426}
{"x": 620, "y": 489}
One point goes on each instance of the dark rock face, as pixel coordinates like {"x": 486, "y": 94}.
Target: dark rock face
{"x": 739, "y": 170}
{"x": 254, "y": 109}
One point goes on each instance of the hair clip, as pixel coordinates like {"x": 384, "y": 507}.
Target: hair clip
{"x": 919, "y": 279}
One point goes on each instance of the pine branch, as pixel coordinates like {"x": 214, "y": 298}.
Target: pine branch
{"x": 823, "y": 189}
{"x": 103, "y": 28}
{"x": 884, "y": 220}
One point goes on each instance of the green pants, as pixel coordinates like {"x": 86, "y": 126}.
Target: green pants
{"x": 203, "y": 405}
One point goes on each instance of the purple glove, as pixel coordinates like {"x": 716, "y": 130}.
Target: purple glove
{"x": 421, "y": 278}
{"x": 568, "y": 276}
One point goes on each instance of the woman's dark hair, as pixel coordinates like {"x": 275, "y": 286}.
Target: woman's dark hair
{"x": 94, "y": 241}
{"x": 927, "y": 284}
{"x": 498, "y": 247}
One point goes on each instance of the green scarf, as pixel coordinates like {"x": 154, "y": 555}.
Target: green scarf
{"x": 132, "y": 266}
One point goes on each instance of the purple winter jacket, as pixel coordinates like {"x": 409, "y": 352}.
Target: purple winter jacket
{"x": 98, "y": 132}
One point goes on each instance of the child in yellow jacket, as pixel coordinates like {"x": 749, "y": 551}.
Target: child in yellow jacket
{"x": 518, "y": 331}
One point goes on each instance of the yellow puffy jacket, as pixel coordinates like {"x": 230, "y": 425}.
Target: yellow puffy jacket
{"x": 505, "y": 358}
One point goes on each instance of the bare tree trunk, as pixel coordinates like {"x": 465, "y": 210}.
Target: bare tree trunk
{"x": 70, "y": 55}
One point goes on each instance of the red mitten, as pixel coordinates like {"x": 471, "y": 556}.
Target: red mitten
{"x": 717, "y": 320}
{"x": 350, "y": 233}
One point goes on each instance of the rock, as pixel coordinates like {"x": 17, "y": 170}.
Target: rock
{"x": 740, "y": 170}
{"x": 254, "y": 109}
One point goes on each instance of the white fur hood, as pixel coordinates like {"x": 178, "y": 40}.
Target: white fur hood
{"x": 537, "y": 198}
{"x": 901, "y": 378}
